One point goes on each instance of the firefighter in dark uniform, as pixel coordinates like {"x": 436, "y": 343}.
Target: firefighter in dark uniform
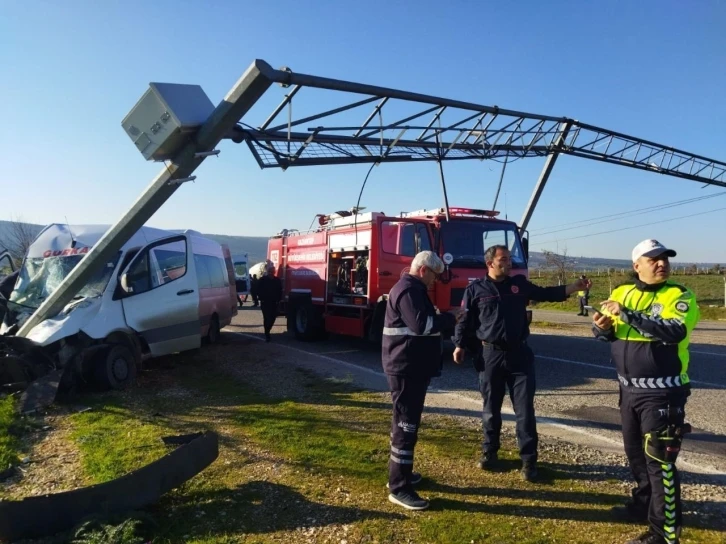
{"x": 649, "y": 324}
{"x": 269, "y": 292}
{"x": 411, "y": 356}
{"x": 496, "y": 314}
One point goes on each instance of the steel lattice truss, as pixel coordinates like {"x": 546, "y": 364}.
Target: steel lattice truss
{"x": 440, "y": 129}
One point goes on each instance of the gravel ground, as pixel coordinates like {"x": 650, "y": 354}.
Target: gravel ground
{"x": 562, "y": 389}
{"x": 51, "y": 464}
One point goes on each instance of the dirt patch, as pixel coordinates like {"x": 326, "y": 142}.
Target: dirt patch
{"x": 52, "y": 463}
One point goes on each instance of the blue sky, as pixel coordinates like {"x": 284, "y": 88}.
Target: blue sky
{"x": 72, "y": 70}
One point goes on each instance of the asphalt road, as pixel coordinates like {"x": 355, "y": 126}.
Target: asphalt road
{"x": 576, "y": 383}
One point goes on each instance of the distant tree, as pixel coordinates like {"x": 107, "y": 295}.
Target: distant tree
{"x": 692, "y": 269}
{"x": 16, "y": 238}
{"x": 562, "y": 265}
{"x": 717, "y": 269}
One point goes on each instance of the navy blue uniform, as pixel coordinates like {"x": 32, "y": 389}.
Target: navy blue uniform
{"x": 269, "y": 292}
{"x": 496, "y": 317}
{"x": 411, "y": 356}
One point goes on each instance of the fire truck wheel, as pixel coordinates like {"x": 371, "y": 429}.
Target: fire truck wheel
{"x": 116, "y": 368}
{"x": 305, "y": 322}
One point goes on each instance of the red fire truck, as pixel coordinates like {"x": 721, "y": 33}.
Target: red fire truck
{"x": 336, "y": 278}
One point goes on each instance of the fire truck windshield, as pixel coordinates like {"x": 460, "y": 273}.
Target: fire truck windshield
{"x": 468, "y": 240}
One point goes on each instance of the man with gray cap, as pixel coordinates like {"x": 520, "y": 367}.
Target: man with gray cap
{"x": 648, "y": 323}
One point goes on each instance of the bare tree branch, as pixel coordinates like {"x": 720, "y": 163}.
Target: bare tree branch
{"x": 17, "y": 237}
{"x": 562, "y": 265}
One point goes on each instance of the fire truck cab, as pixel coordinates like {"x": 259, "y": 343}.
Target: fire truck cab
{"x": 336, "y": 278}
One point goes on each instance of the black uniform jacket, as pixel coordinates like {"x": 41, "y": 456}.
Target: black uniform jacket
{"x": 412, "y": 331}
{"x": 269, "y": 289}
{"x": 496, "y": 311}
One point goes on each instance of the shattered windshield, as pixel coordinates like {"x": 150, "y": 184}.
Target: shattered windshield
{"x": 40, "y": 277}
{"x": 468, "y": 240}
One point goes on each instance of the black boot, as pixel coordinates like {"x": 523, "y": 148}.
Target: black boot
{"x": 529, "y": 471}
{"x": 488, "y": 461}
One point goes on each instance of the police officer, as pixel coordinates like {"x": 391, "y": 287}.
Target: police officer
{"x": 411, "y": 356}
{"x": 649, "y": 324}
{"x": 495, "y": 309}
{"x": 583, "y": 295}
{"x": 269, "y": 292}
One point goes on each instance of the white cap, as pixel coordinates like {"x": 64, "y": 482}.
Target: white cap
{"x": 651, "y": 248}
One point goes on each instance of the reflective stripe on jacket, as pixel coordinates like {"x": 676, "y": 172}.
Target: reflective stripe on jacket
{"x": 650, "y": 337}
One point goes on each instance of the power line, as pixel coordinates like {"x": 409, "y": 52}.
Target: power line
{"x": 624, "y": 228}
{"x": 620, "y": 215}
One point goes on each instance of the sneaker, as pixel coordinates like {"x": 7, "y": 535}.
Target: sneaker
{"x": 630, "y": 512}
{"x": 409, "y": 499}
{"x": 415, "y": 479}
{"x": 488, "y": 461}
{"x": 529, "y": 471}
{"x": 650, "y": 537}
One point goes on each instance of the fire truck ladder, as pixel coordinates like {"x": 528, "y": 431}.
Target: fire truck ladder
{"x": 417, "y": 127}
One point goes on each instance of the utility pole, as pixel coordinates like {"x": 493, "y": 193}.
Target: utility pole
{"x": 253, "y": 83}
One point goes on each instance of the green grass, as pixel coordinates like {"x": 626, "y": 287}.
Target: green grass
{"x": 313, "y": 455}
{"x": 709, "y": 291}
{"x": 8, "y": 442}
{"x": 550, "y": 324}
{"x": 113, "y": 440}
{"x": 99, "y": 533}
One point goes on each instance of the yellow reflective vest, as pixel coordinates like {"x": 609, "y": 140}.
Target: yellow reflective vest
{"x": 650, "y": 337}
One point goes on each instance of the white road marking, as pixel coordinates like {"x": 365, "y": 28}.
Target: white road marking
{"x": 612, "y": 369}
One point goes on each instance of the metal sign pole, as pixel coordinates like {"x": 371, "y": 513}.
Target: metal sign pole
{"x": 253, "y": 83}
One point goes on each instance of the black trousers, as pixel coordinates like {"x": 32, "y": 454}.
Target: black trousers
{"x": 583, "y": 303}
{"x": 408, "y": 396}
{"x": 513, "y": 371}
{"x": 269, "y": 315}
{"x": 658, "y": 485}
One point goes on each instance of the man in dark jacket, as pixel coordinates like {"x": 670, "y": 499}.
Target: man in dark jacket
{"x": 411, "y": 356}
{"x": 269, "y": 291}
{"x": 254, "y": 289}
{"x": 496, "y": 310}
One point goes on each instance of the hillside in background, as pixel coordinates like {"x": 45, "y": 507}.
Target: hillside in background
{"x": 256, "y": 248}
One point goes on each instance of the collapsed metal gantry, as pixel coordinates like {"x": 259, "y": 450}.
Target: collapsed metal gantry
{"x": 456, "y": 130}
